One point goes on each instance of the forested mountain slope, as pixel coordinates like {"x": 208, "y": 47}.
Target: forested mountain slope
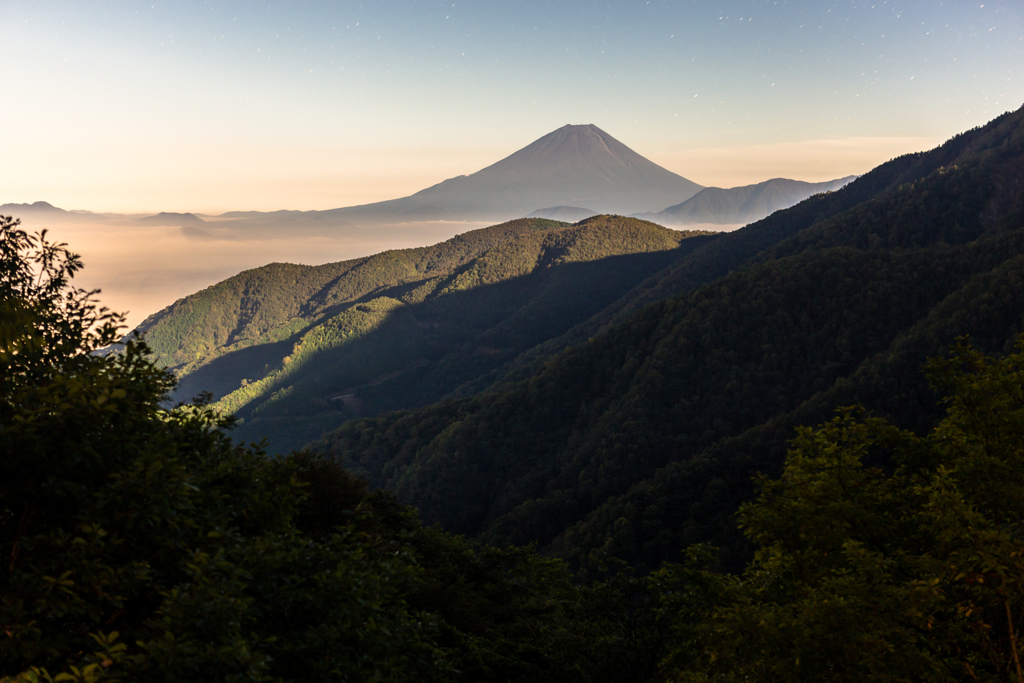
{"x": 644, "y": 438}
{"x": 295, "y": 350}
{"x": 743, "y": 247}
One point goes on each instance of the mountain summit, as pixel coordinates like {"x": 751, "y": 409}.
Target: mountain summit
{"x": 572, "y": 166}
{"x": 584, "y": 166}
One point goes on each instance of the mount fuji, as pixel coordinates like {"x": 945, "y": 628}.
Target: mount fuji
{"x": 576, "y": 165}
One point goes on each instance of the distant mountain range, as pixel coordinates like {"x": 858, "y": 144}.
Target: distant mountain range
{"x": 43, "y": 211}
{"x": 46, "y": 210}
{"x": 718, "y": 206}
{"x": 33, "y": 208}
{"x": 577, "y": 171}
{"x": 742, "y": 205}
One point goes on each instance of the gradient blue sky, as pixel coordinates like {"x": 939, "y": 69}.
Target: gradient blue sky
{"x": 214, "y": 106}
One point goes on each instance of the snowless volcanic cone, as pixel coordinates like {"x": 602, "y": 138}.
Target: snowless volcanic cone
{"x": 572, "y": 166}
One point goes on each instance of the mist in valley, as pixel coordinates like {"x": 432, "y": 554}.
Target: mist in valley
{"x": 140, "y": 268}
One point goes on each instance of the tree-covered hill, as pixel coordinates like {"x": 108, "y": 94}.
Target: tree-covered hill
{"x": 644, "y": 438}
{"x": 295, "y": 350}
{"x": 745, "y": 246}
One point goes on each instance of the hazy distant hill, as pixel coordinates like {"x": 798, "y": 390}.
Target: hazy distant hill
{"x": 33, "y": 209}
{"x": 173, "y": 219}
{"x": 295, "y": 349}
{"x": 569, "y": 214}
{"x": 643, "y": 437}
{"x": 739, "y": 205}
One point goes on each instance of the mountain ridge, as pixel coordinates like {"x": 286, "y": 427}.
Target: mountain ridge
{"x": 13, "y": 209}
{"x": 575, "y": 165}
{"x": 744, "y": 204}
{"x": 402, "y": 327}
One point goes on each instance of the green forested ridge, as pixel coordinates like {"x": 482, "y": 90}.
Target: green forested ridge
{"x": 297, "y": 350}
{"x": 247, "y": 309}
{"x": 990, "y": 152}
{"x": 644, "y": 439}
{"x": 234, "y": 339}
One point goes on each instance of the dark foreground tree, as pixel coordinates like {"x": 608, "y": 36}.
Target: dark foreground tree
{"x": 883, "y": 556}
{"x": 139, "y": 543}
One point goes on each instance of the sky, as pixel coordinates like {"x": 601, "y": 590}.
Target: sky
{"x": 117, "y": 106}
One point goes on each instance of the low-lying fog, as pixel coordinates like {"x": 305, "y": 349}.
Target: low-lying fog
{"x": 143, "y": 268}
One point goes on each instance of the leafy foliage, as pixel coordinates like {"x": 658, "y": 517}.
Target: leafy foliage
{"x": 882, "y": 555}
{"x": 502, "y": 614}
{"x": 141, "y": 543}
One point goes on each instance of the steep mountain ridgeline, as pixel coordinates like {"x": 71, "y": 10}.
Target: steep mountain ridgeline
{"x": 977, "y": 192}
{"x": 644, "y": 438}
{"x": 295, "y": 350}
{"x": 980, "y": 167}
